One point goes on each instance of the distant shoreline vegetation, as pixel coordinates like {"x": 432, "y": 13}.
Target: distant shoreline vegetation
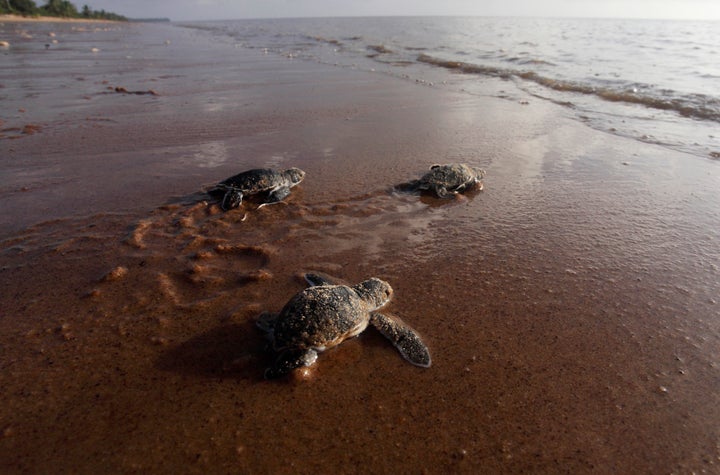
{"x": 150, "y": 20}
{"x": 55, "y": 8}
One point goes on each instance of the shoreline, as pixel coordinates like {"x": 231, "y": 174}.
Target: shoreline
{"x": 9, "y": 18}
{"x": 570, "y": 307}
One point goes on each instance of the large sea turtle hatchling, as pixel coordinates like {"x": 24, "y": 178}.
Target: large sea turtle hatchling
{"x": 327, "y": 313}
{"x": 270, "y": 185}
{"x": 448, "y": 179}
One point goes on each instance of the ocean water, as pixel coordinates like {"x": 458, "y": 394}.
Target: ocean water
{"x": 651, "y": 80}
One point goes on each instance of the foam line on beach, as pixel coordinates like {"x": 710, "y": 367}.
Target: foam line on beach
{"x": 696, "y": 106}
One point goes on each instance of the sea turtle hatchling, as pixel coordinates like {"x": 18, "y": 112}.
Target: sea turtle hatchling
{"x": 448, "y": 179}
{"x": 327, "y": 313}
{"x": 271, "y": 185}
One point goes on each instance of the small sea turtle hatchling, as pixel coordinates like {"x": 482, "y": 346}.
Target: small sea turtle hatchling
{"x": 271, "y": 185}
{"x": 447, "y": 179}
{"x": 326, "y": 314}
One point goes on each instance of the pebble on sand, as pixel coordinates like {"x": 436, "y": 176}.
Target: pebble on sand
{"x": 117, "y": 273}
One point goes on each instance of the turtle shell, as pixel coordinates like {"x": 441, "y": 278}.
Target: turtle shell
{"x": 450, "y": 176}
{"x": 320, "y": 317}
{"x": 255, "y": 181}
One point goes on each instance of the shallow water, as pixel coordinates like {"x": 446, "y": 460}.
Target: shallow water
{"x": 650, "y": 80}
{"x": 570, "y": 307}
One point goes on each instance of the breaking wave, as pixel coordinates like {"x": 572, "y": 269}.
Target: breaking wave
{"x": 696, "y": 106}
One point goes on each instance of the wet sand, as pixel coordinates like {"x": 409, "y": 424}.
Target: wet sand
{"x": 570, "y": 307}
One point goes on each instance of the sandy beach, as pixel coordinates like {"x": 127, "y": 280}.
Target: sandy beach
{"x": 48, "y": 19}
{"x": 571, "y": 307}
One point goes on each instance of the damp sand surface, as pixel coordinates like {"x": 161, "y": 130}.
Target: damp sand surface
{"x": 570, "y": 308}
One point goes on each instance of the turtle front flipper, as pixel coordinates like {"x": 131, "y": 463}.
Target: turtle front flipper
{"x": 462, "y": 188}
{"x": 320, "y": 278}
{"x": 276, "y": 196}
{"x": 288, "y": 360}
{"x": 232, "y": 199}
{"x": 441, "y": 191}
{"x": 405, "y": 339}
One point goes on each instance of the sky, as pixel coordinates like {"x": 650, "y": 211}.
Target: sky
{"x": 182, "y": 10}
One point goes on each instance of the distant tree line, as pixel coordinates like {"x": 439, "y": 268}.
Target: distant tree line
{"x": 57, "y": 8}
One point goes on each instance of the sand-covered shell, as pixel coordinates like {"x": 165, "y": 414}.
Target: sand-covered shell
{"x": 446, "y": 180}
{"x": 270, "y": 185}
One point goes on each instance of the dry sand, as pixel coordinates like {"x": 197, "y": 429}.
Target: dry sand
{"x": 570, "y": 308}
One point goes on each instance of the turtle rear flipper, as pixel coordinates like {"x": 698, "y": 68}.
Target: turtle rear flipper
{"x": 289, "y": 360}
{"x": 409, "y": 186}
{"x": 266, "y": 322}
{"x": 405, "y": 339}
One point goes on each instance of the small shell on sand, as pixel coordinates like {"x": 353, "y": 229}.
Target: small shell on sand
{"x": 4, "y": 44}
{"x": 95, "y": 50}
{"x": 117, "y": 273}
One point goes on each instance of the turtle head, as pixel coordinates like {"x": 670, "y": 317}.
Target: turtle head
{"x": 374, "y": 292}
{"x": 295, "y": 175}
